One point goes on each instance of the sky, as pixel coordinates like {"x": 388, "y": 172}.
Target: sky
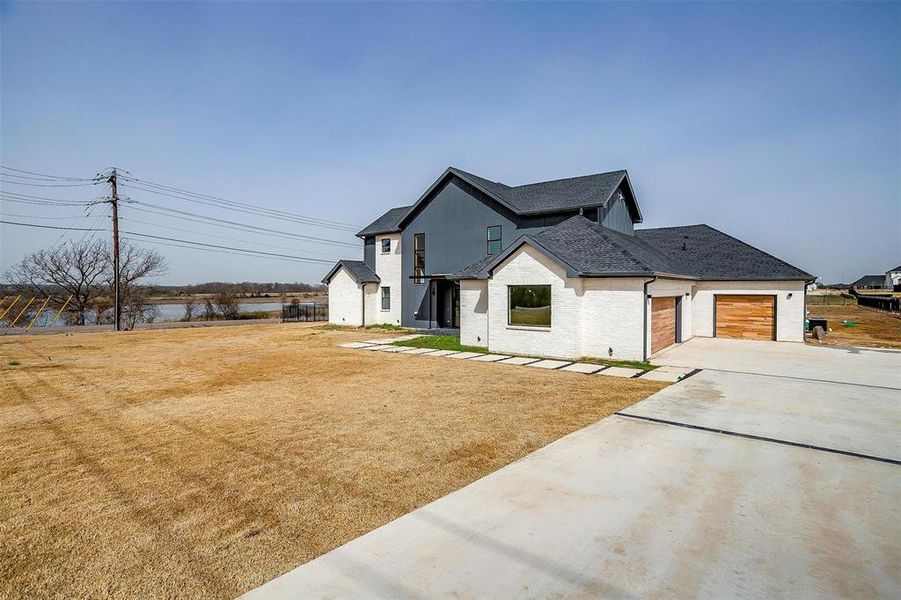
{"x": 779, "y": 124}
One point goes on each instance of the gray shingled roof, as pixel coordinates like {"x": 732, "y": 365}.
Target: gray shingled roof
{"x": 358, "y": 269}
{"x": 898, "y": 268}
{"x": 870, "y": 280}
{"x": 586, "y": 248}
{"x": 533, "y": 198}
{"x": 387, "y": 223}
{"x": 550, "y": 196}
{"x": 708, "y": 253}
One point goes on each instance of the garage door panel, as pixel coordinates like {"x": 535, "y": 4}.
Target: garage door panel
{"x": 663, "y": 323}
{"x": 746, "y": 317}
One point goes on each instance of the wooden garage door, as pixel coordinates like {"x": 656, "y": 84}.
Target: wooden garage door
{"x": 746, "y": 317}
{"x": 663, "y": 323}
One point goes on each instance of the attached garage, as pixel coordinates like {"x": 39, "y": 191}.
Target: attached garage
{"x": 663, "y": 323}
{"x": 748, "y": 317}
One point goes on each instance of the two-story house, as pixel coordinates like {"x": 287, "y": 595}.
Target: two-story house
{"x": 557, "y": 268}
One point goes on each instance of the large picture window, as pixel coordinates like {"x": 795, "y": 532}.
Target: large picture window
{"x": 419, "y": 258}
{"x": 494, "y": 239}
{"x": 529, "y": 305}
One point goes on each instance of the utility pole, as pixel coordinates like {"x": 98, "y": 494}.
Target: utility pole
{"x": 114, "y": 200}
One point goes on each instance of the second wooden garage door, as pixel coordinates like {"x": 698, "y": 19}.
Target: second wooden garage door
{"x": 663, "y": 323}
{"x": 746, "y": 317}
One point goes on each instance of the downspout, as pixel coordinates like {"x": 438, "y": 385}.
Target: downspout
{"x": 644, "y": 338}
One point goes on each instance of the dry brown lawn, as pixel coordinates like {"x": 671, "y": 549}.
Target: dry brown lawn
{"x": 204, "y": 462}
{"x": 873, "y": 329}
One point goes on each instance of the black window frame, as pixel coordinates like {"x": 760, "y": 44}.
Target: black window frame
{"x": 550, "y": 305}
{"x": 499, "y": 240}
{"x": 388, "y": 251}
{"x": 386, "y": 295}
{"x": 418, "y": 258}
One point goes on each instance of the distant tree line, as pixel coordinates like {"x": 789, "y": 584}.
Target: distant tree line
{"x": 247, "y": 289}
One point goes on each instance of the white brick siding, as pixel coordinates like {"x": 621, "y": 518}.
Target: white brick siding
{"x": 345, "y": 299}
{"x": 474, "y": 312}
{"x": 388, "y": 268}
{"x": 789, "y": 311}
{"x": 612, "y": 318}
{"x": 527, "y": 266}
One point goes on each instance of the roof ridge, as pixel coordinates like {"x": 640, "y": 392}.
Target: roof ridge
{"x": 516, "y": 187}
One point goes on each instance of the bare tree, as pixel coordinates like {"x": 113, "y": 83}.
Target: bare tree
{"x": 209, "y": 311}
{"x": 76, "y": 268}
{"x": 227, "y": 305}
{"x": 190, "y": 309}
{"x": 84, "y": 270}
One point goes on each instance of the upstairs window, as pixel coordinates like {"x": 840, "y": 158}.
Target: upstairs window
{"x": 494, "y": 239}
{"x": 419, "y": 258}
{"x": 386, "y": 298}
{"x": 386, "y": 246}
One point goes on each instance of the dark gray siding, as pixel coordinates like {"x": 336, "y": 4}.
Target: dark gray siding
{"x": 369, "y": 252}
{"x": 455, "y": 224}
{"x": 616, "y": 216}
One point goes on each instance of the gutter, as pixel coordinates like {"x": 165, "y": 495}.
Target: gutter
{"x": 644, "y": 299}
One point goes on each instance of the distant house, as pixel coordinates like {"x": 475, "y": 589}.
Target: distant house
{"x": 557, "y": 268}
{"x": 893, "y": 277}
{"x": 869, "y": 282}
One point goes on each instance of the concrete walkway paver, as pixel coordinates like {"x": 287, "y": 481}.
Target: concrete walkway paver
{"x": 441, "y": 353}
{"x": 548, "y": 364}
{"x": 490, "y": 357}
{"x": 517, "y": 360}
{"x": 355, "y": 345}
{"x": 586, "y": 368}
{"x": 418, "y": 350}
{"x": 465, "y": 355}
{"x": 620, "y": 372}
{"x": 377, "y": 347}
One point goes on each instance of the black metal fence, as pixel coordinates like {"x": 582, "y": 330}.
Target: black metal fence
{"x": 307, "y": 311}
{"x": 886, "y": 303}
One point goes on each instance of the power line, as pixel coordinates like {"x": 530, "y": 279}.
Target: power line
{"x": 46, "y": 175}
{"x": 45, "y": 198}
{"x": 182, "y": 194}
{"x": 49, "y": 184}
{"x": 213, "y": 235}
{"x": 237, "y": 227}
{"x": 159, "y": 237}
{"x": 247, "y": 226}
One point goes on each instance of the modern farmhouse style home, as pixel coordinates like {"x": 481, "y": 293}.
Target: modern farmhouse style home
{"x": 558, "y": 269}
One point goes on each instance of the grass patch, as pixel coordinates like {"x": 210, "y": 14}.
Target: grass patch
{"x": 14, "y": 363}
{"x": 629, "y": 364}
{"x": 441, "y": 342}
{"x": 386, "y": 327}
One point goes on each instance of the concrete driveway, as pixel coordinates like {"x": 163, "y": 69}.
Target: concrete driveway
{"x": 726, "y": 484}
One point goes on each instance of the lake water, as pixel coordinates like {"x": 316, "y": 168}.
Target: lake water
{"x": 166, "y": 312}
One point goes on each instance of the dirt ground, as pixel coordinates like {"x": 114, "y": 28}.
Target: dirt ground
{"x": 204, "y": 462}
{"x": 872, "y": 329}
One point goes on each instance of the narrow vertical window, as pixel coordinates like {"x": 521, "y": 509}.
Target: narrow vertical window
{"x": 386, "y": 298}
{"x": 494, "y": 239}
{"x": 386, "y": 246}
{"x": 419, "y": 258}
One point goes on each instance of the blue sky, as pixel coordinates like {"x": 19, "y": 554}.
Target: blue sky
{"x": 777, "y": 123}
